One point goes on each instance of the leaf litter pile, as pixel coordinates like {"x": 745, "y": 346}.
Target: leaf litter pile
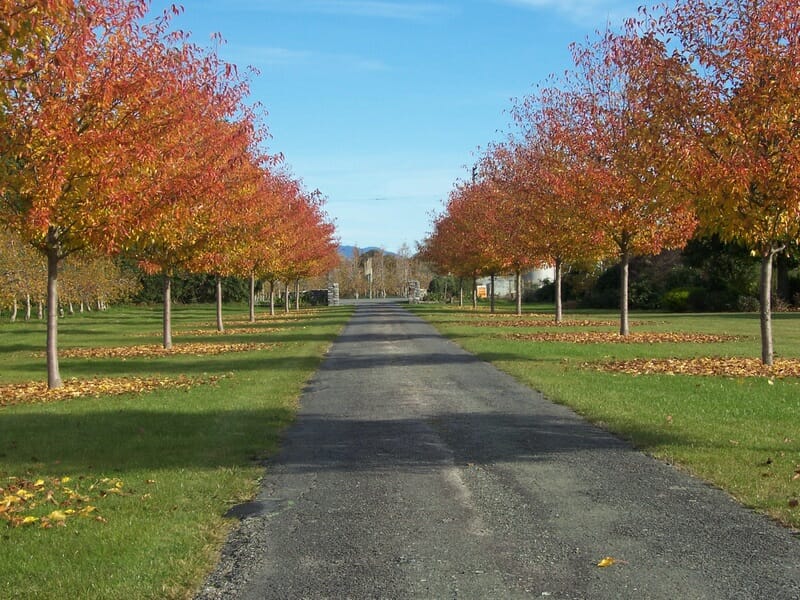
{"x": 156, "y": 350}
{"x": 37, "y": 391}
{"x": 736, "y": 367}
{"x": 229, "y": 331}
{"x": 609, "y": 337}
{"x": 52, "y": 502}
{"x": 546, "y": 321}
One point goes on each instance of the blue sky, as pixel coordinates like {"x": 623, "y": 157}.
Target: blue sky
{"x": 384, "y": 105}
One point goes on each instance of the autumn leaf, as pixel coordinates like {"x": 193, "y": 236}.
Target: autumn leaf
{"x": 607, "y": 337}
{"x": 154, "y": 350}
{"x": 37, "y": 392}
{"x": 540, "y": 321}
{"x": 738, "y": 367}
{"x": 23, "y": 500}
{"x": 228, "y": 331}
{"x": 606, "y": 562}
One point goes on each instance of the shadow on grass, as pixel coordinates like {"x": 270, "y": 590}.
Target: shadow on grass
{"x": 105, "y": 441}
{"x": 172, "y": 365}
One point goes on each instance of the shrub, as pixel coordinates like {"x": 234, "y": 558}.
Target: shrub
{"x": 676, "y": 300}
{"x": 747, "y": 304}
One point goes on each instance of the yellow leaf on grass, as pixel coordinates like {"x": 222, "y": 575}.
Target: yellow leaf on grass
{"x": 57, "y": 515}
{"x": 29, "y": 520}
{"x": 606, "y": 562}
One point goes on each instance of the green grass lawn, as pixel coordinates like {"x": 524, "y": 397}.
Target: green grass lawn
{"x": 157, "y": 470}
{"x": 739, "y": 433}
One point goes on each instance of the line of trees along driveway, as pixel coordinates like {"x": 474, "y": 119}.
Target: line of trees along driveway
{"x": 682, "y": 121}
{"x": 119, "y": 136}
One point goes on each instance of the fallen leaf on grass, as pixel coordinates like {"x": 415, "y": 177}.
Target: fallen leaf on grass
{"x": 227, "y": 331}
{"x": 22, "y": 501}
{"x": 155, "y": 350}
{"x": 57, "y": 515}
{"x": 543, "y": 321}
{"x": 37, "y": 391}
{"x": 708, "y": 366}
{"x": 609, "y": 337}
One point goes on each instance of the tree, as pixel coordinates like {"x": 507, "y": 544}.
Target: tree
{"x": 256, "y": 252}
{"x": 190, "y": 189}
{"x": 74, "y": 89}
{"x": 739, "y": 128}
{"x": 622, "y": 177}
{"x": 311, "y": 248}
{"x": 454, "y": 245}
{"x": 511, "y": 224}
{"x": 542, "y": 168}
{"x": 22, "y": 273}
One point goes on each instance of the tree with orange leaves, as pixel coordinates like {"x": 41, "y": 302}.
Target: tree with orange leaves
{"x": 512, "y": 230}
{"x": 196, "y": 190}
{"x": 74, "y": 87}
{"x": 736, "y": 122}
{"x": 620, "y": 175}
{"x": 461, "y": 241}
{"x": 309, "y": 247}
{"x": 542, "y": 169}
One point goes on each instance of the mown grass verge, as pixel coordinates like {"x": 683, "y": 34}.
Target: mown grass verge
{"x": 739, "y": 432}
{"x": 125, "y": 495}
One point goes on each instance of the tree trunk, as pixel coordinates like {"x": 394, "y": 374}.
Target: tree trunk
{"x": 461, "y": 292}
{"x": 765, "y": 292}
{"x": 286, "y": 297}
{"x": 272, "y": 298}
{"x": 70, "y": 308}
{"x": 27, "y": 307}
{"x": 624, "y": 326}
{"x": 491, "y": 293}
{"x": 252, "y": 297}
{"x": 474, "y": 293}
{"x": 14, "y": 310}
{"x": 297, "y": 294}
{"x": 220, "y": 325}
{"x": 40, "y": 312}
{"x": 167, "y": 311}
{"x": 80, "y": 307}
{"x": 559, "y": 305}
{"x": 519, "y": 292}
{"x": 53, "y": 375}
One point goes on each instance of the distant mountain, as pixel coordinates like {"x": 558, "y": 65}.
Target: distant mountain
{"x": 347, "y": 251}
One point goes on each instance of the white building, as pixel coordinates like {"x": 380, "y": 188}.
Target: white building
{"x": 506, "y": 287}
